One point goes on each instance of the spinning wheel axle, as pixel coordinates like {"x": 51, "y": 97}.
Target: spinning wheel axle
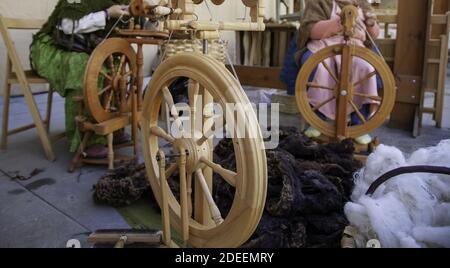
{"x": 171, "y": 156}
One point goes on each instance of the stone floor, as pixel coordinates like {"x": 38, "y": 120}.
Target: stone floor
{"x": 54, "y": 206}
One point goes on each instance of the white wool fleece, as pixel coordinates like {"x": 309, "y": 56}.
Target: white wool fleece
{"x": 411, "y": 210}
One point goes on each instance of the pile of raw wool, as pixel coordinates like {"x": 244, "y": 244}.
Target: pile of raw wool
{"x": 308, "y": 186}
{"x": 122, "y": 186}
{"x": 411, "y": 210}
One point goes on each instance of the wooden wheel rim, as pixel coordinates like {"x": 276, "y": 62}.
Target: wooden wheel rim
{"x": 251, "y": 185}
{"x": 388, "y": 98}
{"x": 92, "y": 74}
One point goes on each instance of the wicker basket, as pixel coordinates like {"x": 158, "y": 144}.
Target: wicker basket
{"x": 216, "y": 48}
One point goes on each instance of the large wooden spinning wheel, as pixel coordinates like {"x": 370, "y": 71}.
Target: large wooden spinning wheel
{"x": 109, "y": 77}
{"x": 344, "y": 92}
{"x": 195, "y": 214}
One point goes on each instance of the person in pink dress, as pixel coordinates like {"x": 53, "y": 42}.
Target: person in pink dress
{"x": 322, "y": 27}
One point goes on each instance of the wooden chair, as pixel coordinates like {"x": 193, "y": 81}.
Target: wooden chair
{"x": 15, "y": 74}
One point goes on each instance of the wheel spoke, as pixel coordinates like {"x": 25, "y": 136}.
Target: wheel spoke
{"x": 104, "y": 90}
{"x": 109, "y": 100}
{"x": 214, "y": 209}
{"x": 193, "y": 91}
{"x": 358, "y": 112}
{"x": 368, "y": 76}
{"x": 122, "y": 62}
{"x": 159, "y": 132}
{"x": 107, "y": 76}
{"x": 171, "y": 170}
{"x": 169, "y": 100}
{"x": 316, "y": 108}
{"x": 228, "y": 175}
{"x": 330, "y": 72}
{"x": 375, "y": 98}
{"x": 111, "y": 64}
{"x": 127, "y": 74}
{"x": 314, "y": 85}
{"x": 123, "y": 95}
{"x": 173, "y": 110}
{"x": 205, "y": 138}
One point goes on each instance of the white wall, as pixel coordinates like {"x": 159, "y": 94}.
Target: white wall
{"x": 231, "y": 10}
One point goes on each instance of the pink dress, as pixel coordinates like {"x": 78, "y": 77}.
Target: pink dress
{"x": 360, "y": 69}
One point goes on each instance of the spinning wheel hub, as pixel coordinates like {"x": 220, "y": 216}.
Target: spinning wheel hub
{"x": 194, "y": 153}
{"x": 116, "y": 81}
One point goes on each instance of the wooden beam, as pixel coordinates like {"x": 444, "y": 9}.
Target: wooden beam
{"x": 266, "y": 77}
{"x": 409, "y": 60}
{"x": 440, "y": 7}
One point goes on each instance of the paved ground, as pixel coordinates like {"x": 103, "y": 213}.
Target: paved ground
{"x": 55, "y": 206}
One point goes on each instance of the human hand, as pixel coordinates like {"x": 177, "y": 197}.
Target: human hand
{"x": 117, "y": 11}
{"x": 371, "y": 19}
{"x": 335, "y": 25}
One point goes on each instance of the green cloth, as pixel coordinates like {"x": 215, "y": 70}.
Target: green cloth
{"x": 63, "y": 69}
{"x": 65, "y": 73}
{"x": 143, "y": 216}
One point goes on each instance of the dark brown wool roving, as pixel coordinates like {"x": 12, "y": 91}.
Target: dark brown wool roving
{"x": 308, "y": 186}
{"x": 123, "y": 186}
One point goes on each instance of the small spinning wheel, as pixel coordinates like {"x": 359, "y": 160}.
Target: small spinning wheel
{"x": 109, "y": 77}
{"x": 195, "y": 214}
{"x": 344, "y": 90}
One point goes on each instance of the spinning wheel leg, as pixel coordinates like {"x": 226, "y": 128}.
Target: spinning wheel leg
{"x": 77, "y": 159}
{"x": 164, "y": 197}
{"x": 343, "y": 94}
{"x": 110, "y": 138}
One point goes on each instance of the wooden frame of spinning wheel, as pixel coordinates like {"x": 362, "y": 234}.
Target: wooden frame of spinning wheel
{"x": 344, "y": 91}
{"x": 206, "y": 228}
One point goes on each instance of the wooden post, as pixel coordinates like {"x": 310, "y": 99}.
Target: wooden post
{"x": 167, "y": 237}
{"x": 48, "y": 114}
{"x": 440, "y": 7}
{"x": 441, "y": 32}
{"x": 344, "y": 91}
{"x": 134, "y": 122}
{"x": 409, "y": 61}
{"x": 140, "y": 75}
{"x": 110, "y": 138}
{"x": 201, "y": 211}
{"x": 6, "y": 97}
{"x": 184, "y": 211}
